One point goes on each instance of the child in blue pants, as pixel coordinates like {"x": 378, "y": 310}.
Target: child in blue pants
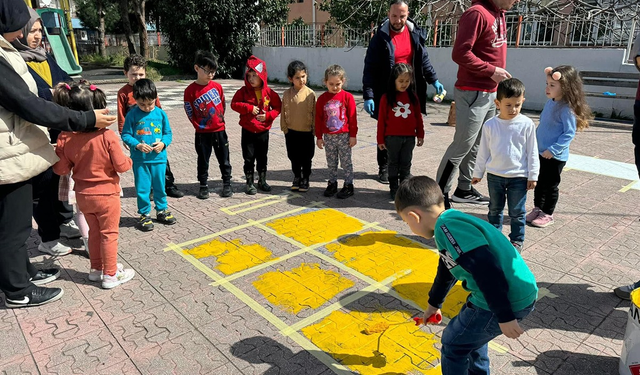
{"x": 147, "y": 132}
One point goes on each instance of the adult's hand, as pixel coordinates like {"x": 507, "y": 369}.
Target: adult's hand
{"x": 103, "y": 119}
{"x": 500, "y": 75}
{"x": 438, "y": 86}
{"x": 369, "y": 106}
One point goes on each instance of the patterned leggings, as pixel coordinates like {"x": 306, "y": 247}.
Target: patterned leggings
{"x": 337, "y": 147}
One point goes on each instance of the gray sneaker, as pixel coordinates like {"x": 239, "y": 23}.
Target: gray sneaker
{"x": 70, "y": 230}
{"x": 55, "y": 248}
{"x": 624, "y": 292}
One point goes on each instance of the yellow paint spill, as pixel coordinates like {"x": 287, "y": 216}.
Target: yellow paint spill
{"x": 232, "y": 256}
{"x": 404, "y": 348}
{"x": 316, "y": 226}
{"x": 305, "y": 287}
{"x": 383, "y": 254}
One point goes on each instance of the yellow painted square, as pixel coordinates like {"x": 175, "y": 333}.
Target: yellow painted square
{"x": 232, "y": 256}
{"x": 317, "y": 226}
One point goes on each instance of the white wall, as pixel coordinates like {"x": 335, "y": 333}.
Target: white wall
{"x": 526, "y": 64}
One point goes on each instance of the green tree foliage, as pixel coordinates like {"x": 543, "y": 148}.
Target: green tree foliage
{"x": 356, "y": 14}
{"x": 87, "y": 12}
{"x": 228, "y": 28}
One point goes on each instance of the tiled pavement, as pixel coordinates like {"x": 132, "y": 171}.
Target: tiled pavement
{"x": 170, "y": 319}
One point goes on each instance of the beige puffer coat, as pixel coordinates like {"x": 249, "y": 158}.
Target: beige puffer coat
{"x": 25, "y": 151}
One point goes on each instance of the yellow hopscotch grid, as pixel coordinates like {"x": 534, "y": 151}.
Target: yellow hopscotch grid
{"x": 292, "y": 331}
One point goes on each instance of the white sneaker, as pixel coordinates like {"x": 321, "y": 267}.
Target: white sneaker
{"x": 97, "y": 275}
{"x": 55, "y": 248}
{"x": 70, "y": 230}
{"x": 122, "y": 276}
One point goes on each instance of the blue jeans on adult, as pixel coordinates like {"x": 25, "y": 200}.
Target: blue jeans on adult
{"x": 466, "y": 338}
{"x": 514, "y": 191}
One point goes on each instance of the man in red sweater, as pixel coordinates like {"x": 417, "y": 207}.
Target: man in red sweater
{"x": 480, "y": 50}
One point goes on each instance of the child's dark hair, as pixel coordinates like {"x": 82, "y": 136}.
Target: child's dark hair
{"x": 144, "y": 89}
{"x": 510, "y": 88}
{"x": 420, "y": 191}
{"x": 294, "y": 67}
{"x": 573, "y": 93}
{"x": 79, "y": 96}
{"x": 135, "y": 60}
{"x": 398, "y": 70}
{"x": 206, "y": 59}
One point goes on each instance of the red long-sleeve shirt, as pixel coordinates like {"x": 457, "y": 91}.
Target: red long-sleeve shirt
{"x": 404, "y": 118}
{"x": 336, "y": 114}
{"x": 126, "y": 102}
{"x": 205, "y": 106}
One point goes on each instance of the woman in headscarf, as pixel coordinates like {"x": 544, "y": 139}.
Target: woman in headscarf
{"x": 25, "y": 152}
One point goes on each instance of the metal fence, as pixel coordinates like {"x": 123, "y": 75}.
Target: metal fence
{"x": 522, "y": 31}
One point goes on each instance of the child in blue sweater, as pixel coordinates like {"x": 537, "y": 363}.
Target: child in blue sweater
{"x": 147, "y": 133}
{"x": 564, "y": 113}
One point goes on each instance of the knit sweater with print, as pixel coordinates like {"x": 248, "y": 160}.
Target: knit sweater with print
{"x": 403, "y": 118}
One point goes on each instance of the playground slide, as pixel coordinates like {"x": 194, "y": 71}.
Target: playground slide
{"x": 55, "y": 32}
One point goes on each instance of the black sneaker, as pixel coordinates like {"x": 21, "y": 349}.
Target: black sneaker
{"x": 38, "y": 296}
{"x": 624, "y": 292}
{"x": 203, "y": 192}
{"x": 447, "y": 202}
{"x": 383, "y": 175}
{"x": 227, "y": 190}
{"x": 469, "y": 196}
{"x": 331, "y": 190}
{"x": 165, "y": 217}
{"x": 45, "y": 276}
{"x": 144, "y": 223}
{"x": 295, "y": 185}
{"x": 174, "y": 192}
{"x": 346, "y": 191}
{"x": 304, "y": 184}
{"x": 518, "y": 245}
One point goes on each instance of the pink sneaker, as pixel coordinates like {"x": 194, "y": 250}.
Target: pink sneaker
{"x": 531, "y": 216}
{"x": 543, "y": 220}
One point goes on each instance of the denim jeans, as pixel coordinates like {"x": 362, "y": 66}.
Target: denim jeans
{"x": 514, "y": 191}
{"x": 466, "y": 338}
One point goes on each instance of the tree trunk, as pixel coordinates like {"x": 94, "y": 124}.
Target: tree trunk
{"x": 142, "y": 24}
{"x": 101, "y": 14}
{"x": 124, "y": 13}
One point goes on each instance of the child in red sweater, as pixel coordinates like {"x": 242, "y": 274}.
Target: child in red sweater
{"x": 258, "y": 106}
{"x": 336, "y": 129}
{"x": 95, "y": 157}
{"x": 399, "y": 122}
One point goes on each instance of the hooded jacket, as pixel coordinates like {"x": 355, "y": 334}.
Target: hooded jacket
{"x": 380, "y": 59}
{"x": 480, "y": 46}
{"x": 245, "y": 99}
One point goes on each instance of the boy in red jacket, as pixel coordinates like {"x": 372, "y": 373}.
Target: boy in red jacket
{"x": 258, "y": 106}
{"x": 205, "y": 106}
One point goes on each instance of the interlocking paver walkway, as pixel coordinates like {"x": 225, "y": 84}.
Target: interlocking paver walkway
{"x": 284, "y": 283}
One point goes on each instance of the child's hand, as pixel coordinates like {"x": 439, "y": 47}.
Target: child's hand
{"x": 320, "y": 144}
{"x": 158, "y": 147}
{"x": 430, "y": 311}
{"x": 531, "y": 185}
{"x": 144, "y": 148}
{"x": 475, "y": 180}
{"x": 511, "y": 329}
{"x": 261, "y": 117}
{"x": 382, "y": 146}
{"x": 420, "y": 142}
{"x": 256, "y": 110}
{"x": 352, "y": 141}
{"x": 547, "y": 154}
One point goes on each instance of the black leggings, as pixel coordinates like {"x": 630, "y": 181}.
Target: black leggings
{"x": 545, "y": 195}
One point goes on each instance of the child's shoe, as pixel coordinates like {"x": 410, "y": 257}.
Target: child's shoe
{"x": 55, "y": 248}
{"x": 331, "y": 190}
{"x": 518, "y": 245}
{"x": 144, "y": 223}
{"x": 165, "y": 217}
{"x": 295, "y": 185}
{"x": 122, "y": 276}
{"x": 262, "y": 182}
{"x": 203, "y": 192}
{"x": 69, "y": 230}
{"x": 173, "y": 191}
{"x": 227, "y": 190}
{"x": 543, "y": 220}
{"x": 346, "y": 191}
{"x": 531, "y": 216}
{"x": 304, "y": 184}
{"x": 250, "y": 189}
{"x": 95, "y": 275}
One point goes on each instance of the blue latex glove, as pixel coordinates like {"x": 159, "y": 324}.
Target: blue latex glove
{"x": 369, "y": 106}
{"x": 438, "y": 86}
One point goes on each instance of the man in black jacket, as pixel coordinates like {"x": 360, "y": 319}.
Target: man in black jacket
{"x": 398, "y": 39}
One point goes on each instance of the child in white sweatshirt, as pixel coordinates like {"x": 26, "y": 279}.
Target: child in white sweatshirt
{"x": 508, "y": 152}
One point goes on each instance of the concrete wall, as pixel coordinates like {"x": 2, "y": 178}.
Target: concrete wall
{"x": 526, "y": 64}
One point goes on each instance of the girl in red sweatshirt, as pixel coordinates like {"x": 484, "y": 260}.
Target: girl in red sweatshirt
{"x": 399, "y": 123}
{"x": 258, "y": 106}
{"x": 336, "y": 129}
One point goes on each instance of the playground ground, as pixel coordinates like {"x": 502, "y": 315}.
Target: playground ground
{"x": 284, "y": 283}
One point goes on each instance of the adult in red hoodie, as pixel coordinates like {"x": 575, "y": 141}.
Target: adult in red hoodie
{"x": 480, "y": 50}
{"x": 258, "y": 106}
